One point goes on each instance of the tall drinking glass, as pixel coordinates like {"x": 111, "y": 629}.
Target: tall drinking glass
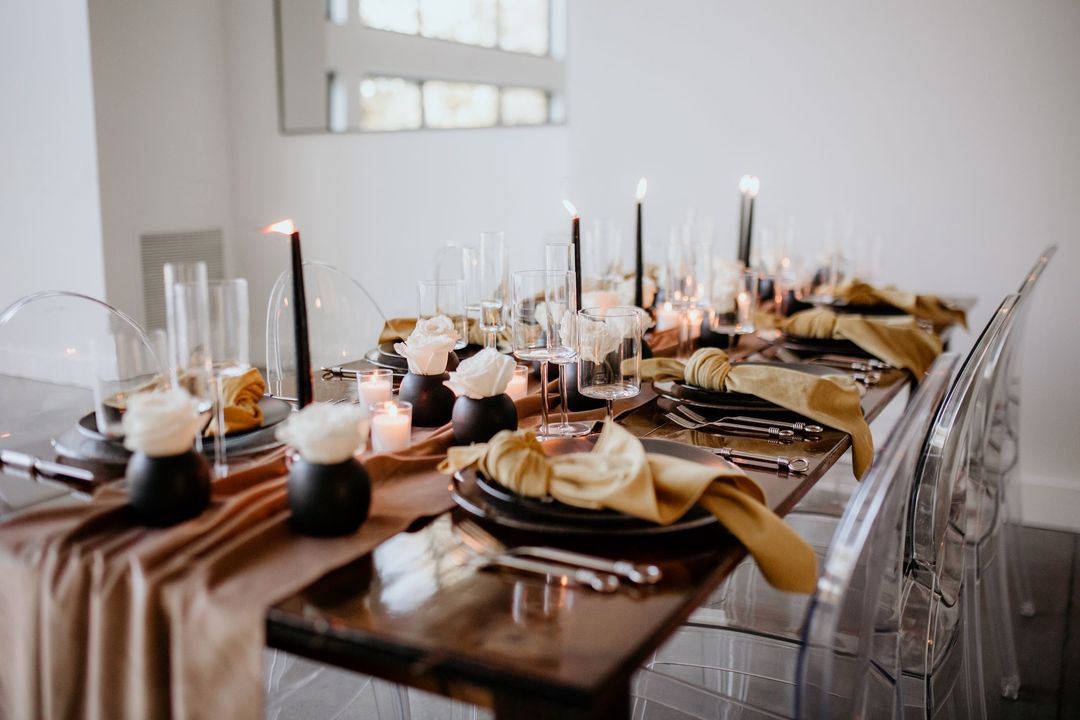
{"x": 560, "y": 257}
{"x": 492, "y": 285}
{"x": 609, "y": 354}
{"x": 733, "y": 301}
{"x": 229, "y": 318}
{"x": 603, "y": 254}
{"x": 444, "y": 297}
{"x": 541, "y": 312}
{"x": 689, "y": 267}
{"x": 188, "y": 319}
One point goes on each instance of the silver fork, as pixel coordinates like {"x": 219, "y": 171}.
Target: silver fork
{"x": 751, "y": 430}
{"x": 795, "y": 427}
{"x": 635, "y": 573}
{"x": 797, "y": 465}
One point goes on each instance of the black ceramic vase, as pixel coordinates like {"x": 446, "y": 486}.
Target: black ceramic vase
{"x": 452, "y": 361}
{"x": 432, "y": 402}
{"x": 477, "y": 421}
{"x": 328, "y": 500}
{"x": 575, "y": 401}
{"x": 168, "y": 490}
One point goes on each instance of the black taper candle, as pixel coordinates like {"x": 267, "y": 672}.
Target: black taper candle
{"x": 576, "y": 236}
{"x": 639, "y": 268}
{"x": 749, "y": 233}
{"x": 304, "y": 393}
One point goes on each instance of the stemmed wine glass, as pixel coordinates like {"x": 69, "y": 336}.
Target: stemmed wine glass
{"x": 688, "y": 275}
{"x": 560, "y": 257}
{"x": 542, "y": 308}
{"x": 609, "y": 354}
{"x": 444, "y": 297}
{"x": 733, "y": 300}
{"x": 491, "y": 285}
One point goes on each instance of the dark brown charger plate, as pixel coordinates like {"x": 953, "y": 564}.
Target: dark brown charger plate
{"x": 492, "y": 503}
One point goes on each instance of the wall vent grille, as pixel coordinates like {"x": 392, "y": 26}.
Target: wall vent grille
{"x": 160, "y": 248}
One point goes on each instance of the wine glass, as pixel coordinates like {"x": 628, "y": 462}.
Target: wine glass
{"x": 491, "y": 285}
{"x": 689, "y": 267}
{"x": 187, "y": 320}
{"x": 541, "y": 312}
{"x": 444, "y": 297}
{"x": 609, "y": 354}
{"x": 229, "y": 317}
{"x": 603, "y": 247}
{"x": 733, "y": 300}
{"x": 559, "y": 256}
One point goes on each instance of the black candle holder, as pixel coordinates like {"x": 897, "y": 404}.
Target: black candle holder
{"x": 168, "y": 490}
{"x": 432, "y": 402}
{"x": 328, "y": 500}
{"x": 477, "y": 420}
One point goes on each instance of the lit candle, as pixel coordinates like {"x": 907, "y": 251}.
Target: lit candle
{"x": 639, "y": 269}
{"x": 391, "y": 426}
{"x": 304, "y": 393}
{"x": 748, "y": 188}
{"x": 375, "y": 386}
{"x": 575, "y": 238}
{"x": 519, "y": 384}
{"x": 667, "y": 317}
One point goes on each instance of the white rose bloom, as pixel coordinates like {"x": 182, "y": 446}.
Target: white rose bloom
{"x": 625, "y": 291}
{"x": 326, "y": 434}
{"x": 596, "y": 339}
{"x": 485, "y": 374}
{"x": 427, "y": 354}
{"x": 162, "y": 423}
{"x": 433, "y": 326}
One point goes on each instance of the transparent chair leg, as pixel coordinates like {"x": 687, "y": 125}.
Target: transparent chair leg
{"x": 462, "y": 711}
{"x": 999, "y": 619}
{"x": 973, "y": 652}
{"x": 1018, "y": 569}
{"x": 391, "y": 701}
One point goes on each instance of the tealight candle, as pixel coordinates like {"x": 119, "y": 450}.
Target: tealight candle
{"x": 667, "y": 317}
{"x": 375, "y": 386}
{"x": 391, "y": 426}
{"x": 519, "y": 384}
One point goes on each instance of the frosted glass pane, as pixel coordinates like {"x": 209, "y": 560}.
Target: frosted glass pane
{"x": 524, "y": 26}
{"x": 460, "y": 105}
{"x": 463, "y": 21}
{"x": 389, "y": 104}
{"x": 524, "y": 106}
{"x": 397, "y": 15}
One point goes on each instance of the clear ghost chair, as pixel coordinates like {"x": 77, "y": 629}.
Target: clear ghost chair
{"x": 845, "y": 659}
{"x": 344, "y": 322}
{"x": 52, "y": 348}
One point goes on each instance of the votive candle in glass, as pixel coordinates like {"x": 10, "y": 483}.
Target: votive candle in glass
{"x": 375, "y": 386}
{"x": 391, "y": 426}
{"x": 519, "y": 384}
{"x": 667, "y": 317}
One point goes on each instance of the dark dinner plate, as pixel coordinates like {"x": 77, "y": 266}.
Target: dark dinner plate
{"x": 488, "y": 501}
{"x": 822, "y": 345}
{"x": 274, "y": 410}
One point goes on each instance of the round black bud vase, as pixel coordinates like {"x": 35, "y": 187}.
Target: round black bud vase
{"x": 432, "y": 402}
{"x": 575, "y": 401}
{"x": 328, "y": 500}
{"x": 477, "y": 421}
{"x": 168, "y": 490}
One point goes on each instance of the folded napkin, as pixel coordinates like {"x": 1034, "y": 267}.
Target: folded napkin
{"x": 924, "y": 307}
{"x": 898, "y": 341}
{"x": 832, "y": 400}
{"x": 400, "y": 328}
{"x": 241, "y": 395}
{"x": 618, "y": 474}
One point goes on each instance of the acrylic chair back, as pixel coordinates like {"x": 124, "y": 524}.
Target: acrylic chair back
{"x": 344, "y": 322}
{"x": 849, "y": 661}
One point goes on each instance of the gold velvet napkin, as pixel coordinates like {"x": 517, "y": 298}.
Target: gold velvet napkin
{"x": 831, "y": 400}
{"x": 898, "y": 341}
{"x": 241, "y": 394}
{"x": 924, "y": 307}
{"x": 618, "y": 474}
{"x": 397, "y": 329}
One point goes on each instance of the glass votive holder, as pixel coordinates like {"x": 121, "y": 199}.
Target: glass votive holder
{"x": 374, "y": 386}
{"x": 391, "y": 426}
{"x": 519, "y": 384}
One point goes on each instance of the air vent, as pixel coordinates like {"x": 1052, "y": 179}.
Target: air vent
{"x": 161, "y": 248}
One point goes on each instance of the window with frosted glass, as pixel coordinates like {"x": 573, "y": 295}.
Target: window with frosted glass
{"x": 401, "y": 104}
{"x": 523, "y": 106}
{"x": 390, "y": 104}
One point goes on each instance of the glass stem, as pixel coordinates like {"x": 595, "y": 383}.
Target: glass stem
{"x": 611, "y": 409}
{"x": 543, "y": 397}
{"x": 562, "y": 396}
{"x": 220, "y": 465}
{"x": 490, "y": 337}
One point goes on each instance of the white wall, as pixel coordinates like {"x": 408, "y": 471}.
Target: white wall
{"x": 159, "y": 78}
{"x": 948, "y": 128}
{"x": 51, "y": 228}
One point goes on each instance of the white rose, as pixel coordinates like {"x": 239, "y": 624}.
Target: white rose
{"x": 438, "y": 325}
{"x": 325, "y": 433}
{"x": 162, "y": 423}
{"x": 485, "y": 374}
{"x": 427, "y": 354}
{"x": 596, "y": 339}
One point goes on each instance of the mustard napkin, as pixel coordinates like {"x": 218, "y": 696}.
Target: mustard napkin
{"x": 618, "y": 474}
{"x": 832, "y": 400}
{"x": 241, "y": 395}
{"x": 898, "y": 341}
{"x": 400, "y": 328}
{"x": 924, "y": 307}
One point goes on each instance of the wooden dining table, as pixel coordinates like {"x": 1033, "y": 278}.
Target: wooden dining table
{"x": 420, "y": 612}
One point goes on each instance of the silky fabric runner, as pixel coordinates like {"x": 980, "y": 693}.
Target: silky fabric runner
{"x": 831, "y": 400}
{"x": 898, "y": 341}
{"x": 241, "y": 394}
{"x": 619, "y": 475}
{"x": 101, "y": 617}
{"x": 924, "y": 307}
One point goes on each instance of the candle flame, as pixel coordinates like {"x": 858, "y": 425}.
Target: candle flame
{"x": 392, "y": 410}
{"x": 749, "y": 185}
{"x": 642, "y": 186}
{"x": 570, "y": 208}
{"x": 285, "y": 227}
